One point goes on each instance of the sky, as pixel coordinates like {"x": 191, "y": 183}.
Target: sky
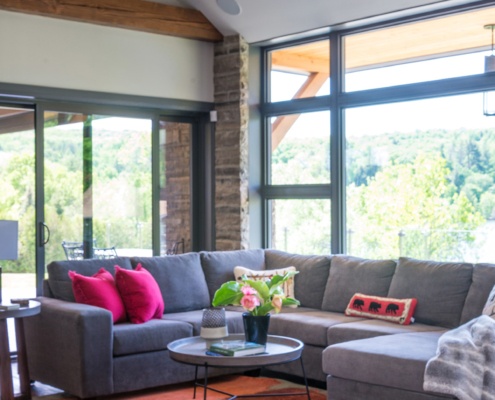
{"x": 451, "y": 112}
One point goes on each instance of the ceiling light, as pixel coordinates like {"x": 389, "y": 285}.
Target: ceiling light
{"x": 231, "y": 7}
{"x": 489, "y": 97}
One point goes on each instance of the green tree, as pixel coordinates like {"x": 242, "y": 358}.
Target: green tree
{"x": 406, "y": 209}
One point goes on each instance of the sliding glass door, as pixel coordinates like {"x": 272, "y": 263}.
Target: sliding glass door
{"x": 97, "y": 186}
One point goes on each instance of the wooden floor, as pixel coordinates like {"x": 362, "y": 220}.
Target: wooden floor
{"x": 37, "y": 389}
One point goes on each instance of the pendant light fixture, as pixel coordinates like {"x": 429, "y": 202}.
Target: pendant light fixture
{"x": 489, "y": 97}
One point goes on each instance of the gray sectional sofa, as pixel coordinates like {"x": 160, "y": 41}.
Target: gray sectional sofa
{"x": 77, "y": 348}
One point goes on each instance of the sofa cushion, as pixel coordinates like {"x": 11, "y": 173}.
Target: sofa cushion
{"x": 308, "y": 325}
{"x": 153, "y": 335}
{"x": 350, "y": 275}
{"x": 181, "y": 280}
{"x": 218, "y": 266}
{"x": 397, "y": 361}
{"x": 140, "y": 293}
{"x": 310, "y": 282}
{"x": 440, "y": 288}
{"x": 483, "y": 282}
{"x": 58, "y": 273}
{"x": 489, "y": 308}
{"x": 99, "y": 290}
{"x": 399, "y": 311}
{"x": 368, "y": 328}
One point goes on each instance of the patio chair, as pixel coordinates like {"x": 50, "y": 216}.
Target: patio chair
{"x": 73, "y": 250}
{"x": 103, "y": 253}
{"x": 175, "y": 248}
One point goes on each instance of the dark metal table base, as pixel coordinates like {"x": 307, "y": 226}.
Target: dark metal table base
{"x": 233, "y": 396}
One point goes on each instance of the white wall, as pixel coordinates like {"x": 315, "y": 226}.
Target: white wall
{"x": 72, "y": 55}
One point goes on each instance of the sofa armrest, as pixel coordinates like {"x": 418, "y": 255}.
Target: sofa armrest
{"x": 70, "y": 346}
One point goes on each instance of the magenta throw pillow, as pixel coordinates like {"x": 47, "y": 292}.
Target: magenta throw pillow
{"x": 99, "y": 290}
{"x": 141, "y": 294}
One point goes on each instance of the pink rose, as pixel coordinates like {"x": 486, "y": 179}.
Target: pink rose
{"x": 248, "y": 290}
{"x": 250, "y": 302}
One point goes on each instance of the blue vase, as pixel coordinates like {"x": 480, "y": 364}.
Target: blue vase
{"x": 256, "y": 327}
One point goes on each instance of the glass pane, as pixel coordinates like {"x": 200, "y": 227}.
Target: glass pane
{"x": 97, "y": 185}
{"x": 420, "y": 180}
{"x": 301, "y": 226}
{"x": 122, "y": 185}
{"x": 300, "y": 149}
{"x": 300, "y": 71}
{"x": 175, "y": 187}
{"x": 63, "y": 181}
{"x": 418, "y": 52}
{"x": 17, "y": 189}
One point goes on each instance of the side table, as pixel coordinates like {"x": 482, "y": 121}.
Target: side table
{"x": 7, "y": 387}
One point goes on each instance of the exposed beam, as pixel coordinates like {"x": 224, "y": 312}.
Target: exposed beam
{"x": 130, "y": 14}
{"x": 287, "y": 60}
{"x": 282, "y": 124}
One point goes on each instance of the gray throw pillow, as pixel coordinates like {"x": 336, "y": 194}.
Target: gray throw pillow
{"x": 440, "y": 288}
{"x": 479, "y": 291}
{"x": 310, "y": 282}
{"x": 350, "y": 275}
{"x": 218, "y": 266}
{"x": 181, "y": 280}
{"x": 58, "y": 273}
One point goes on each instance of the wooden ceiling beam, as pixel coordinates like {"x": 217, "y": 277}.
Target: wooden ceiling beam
{"x": 288, "y": 60}
{"x": 129, "y": 14}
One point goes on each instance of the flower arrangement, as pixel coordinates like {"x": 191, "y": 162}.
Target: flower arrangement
{"x": 258, "y": 297}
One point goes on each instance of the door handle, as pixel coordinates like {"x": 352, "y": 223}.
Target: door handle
{"x": 44, "y": 228}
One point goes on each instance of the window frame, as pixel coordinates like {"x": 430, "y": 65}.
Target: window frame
{"x": 336, "y": 102}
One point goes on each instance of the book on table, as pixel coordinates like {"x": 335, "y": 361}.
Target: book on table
{"x": 237, "y": 348}
{"x": 9, "y": 306}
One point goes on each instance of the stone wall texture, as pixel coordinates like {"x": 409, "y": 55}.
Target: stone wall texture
{"x": 175, "y": 190}
{"x": 231, "y": 143}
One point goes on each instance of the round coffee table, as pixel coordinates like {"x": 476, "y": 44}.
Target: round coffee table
{"x": 279, "y": 350}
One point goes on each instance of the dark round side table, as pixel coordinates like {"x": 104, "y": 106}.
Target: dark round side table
{"x": 7, "y": 387}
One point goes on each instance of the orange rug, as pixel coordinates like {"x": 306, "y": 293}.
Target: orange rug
{"x": 235, "y": 384}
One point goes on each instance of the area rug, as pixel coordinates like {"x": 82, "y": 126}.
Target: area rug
{"x": 235, "y": 384}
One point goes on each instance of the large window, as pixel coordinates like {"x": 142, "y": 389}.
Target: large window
{"x": 428, "y": 50}
{"x": 410, "y": 169}
{"x": 421, "y": 183}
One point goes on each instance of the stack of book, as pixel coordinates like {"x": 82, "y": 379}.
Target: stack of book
{"x": 236, "y": 348}
{"x": 9, "y": 306}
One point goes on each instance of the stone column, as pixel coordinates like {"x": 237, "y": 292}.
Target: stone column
{"x": 175, "y": 193}
{"x": 231, "y": 143}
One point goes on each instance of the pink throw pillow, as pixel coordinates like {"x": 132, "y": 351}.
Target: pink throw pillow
{"x": 99, "y": 290}
{"x": 141, "y": 294}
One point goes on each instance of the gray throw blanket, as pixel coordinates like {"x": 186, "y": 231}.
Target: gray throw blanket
{"x": 464, "y": 365}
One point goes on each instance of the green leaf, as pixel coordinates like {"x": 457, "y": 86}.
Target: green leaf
{"x": 289, "y": 301}
{"x": 264, "y": 309}
{"x": 228, "y": 294}
{"x": 277, "y": 280}
{"x": 261, "y": 287}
